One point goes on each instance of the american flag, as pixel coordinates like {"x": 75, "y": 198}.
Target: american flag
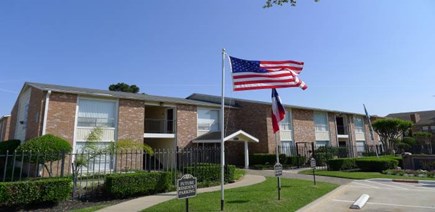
{"x": 252, "y": 75}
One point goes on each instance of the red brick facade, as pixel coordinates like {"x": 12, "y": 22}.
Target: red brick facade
{"x": 13, "y": 121}
{"x": 186, "y": 124}
{"x": 131, "y": 120}
{"x": 303, "y": 125}
{"x": 35, "y": 114}
{"x": 61, "y": 115}
{"x": 5, "y": 124}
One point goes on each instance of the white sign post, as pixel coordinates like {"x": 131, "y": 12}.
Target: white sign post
{"x": 313, "y": 165}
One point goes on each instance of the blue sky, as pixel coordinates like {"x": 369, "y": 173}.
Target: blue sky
{"x": 380, "y": 53}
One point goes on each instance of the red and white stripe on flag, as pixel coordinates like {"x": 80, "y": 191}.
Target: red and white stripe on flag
{"x": 278, "y": 111}
{"x": 252, "y": 75}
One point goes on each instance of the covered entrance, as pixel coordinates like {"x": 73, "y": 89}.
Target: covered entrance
{"x": 236, "y": 137}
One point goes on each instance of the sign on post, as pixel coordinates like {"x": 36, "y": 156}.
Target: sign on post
{"x": 278, "y": 169}
{"x": 186, "y": 187}
{"x": 313, "y": 163}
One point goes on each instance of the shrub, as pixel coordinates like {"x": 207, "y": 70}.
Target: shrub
{"x": 264, "y": 159}
{"x": 122, "y": 185}
{"x": 376, "y": 164}
{"x": 296, "y": 160}
{"x": 211, "y": 172}
{"x": 9, "y": 145}
{"x": 49, "y": 190}
{"x": 341, "y": 164}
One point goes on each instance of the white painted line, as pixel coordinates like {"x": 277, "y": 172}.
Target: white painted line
{"x": 360, "y": 202}
{"x": 364, "y": 185}
{"x": 386, "y": 185}
{"x": 388, "y": 204}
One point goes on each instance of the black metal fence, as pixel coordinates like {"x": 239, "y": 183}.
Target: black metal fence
{"x": 88, "y": 170}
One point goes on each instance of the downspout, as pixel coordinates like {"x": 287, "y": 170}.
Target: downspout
{"x": 44, "y": 123}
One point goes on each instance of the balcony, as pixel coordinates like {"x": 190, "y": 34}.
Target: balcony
{"x": 342, "y": 132}
{"x": 159, "y": 126}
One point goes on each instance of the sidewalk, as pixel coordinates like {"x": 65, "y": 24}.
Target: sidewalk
{"x": 141, "y": 203}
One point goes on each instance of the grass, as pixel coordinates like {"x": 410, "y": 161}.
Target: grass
{"x": 260, "y": 197}
{"x": 359, "y": 175}
{"x": 90, "y": 209}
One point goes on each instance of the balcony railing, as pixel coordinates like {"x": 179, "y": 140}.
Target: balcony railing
{"x": 159, "y": 126}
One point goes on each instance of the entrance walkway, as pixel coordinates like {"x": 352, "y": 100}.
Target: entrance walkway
{"x": 141, "y": 203}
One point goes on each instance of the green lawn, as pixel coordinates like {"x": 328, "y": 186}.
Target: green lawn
{"x": 360, "y": 175}
{"x": 260, "y": 197}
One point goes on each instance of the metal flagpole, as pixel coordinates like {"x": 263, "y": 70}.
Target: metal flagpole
{"x": 277, "y": 161}
{"x": 371, "y": 130}
{"x": 222, "y": 118}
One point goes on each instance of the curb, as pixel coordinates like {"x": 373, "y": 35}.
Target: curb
{"x": 404, "y": 181}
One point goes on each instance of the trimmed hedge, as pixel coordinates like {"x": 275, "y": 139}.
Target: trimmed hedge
{"x": 122, "y": 185}
{"x": 206, "y": 172}
{"x": 341, "y": 164}
{"x": 50, "y": 190}
{"x": 48, "y": 148}
{"x": 376, "y": 164}
{"x": 264, "y": 159}
{"x": 367, "y": 164}
{"x": 9, "y": 145}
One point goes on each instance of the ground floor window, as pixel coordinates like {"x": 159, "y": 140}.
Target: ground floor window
{"x": 322, "y": 143}
{"x": 288, "y": 148}
{"x": 98, "y": 158}
{"x": 360, "y": 146}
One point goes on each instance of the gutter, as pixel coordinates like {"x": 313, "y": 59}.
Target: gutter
{"x": 44, "y": 123}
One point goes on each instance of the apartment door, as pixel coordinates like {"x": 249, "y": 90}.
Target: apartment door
{"x": 170, "y": 120}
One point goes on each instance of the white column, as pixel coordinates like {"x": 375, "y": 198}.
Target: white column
{"x": 246, "y": 155}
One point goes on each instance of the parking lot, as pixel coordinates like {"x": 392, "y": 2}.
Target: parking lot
{"x": 385, "y": 195}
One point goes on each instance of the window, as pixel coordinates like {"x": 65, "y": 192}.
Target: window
{"x": 359, "y": 125}
{"x": 208, "y": 120}
{"x": 360, "y": 146}
{"x": 288, "y": 148}
{"x": 96, "y": 163}
{"x": 322, "y": 143}
{"x": 286, "y": 123}
{"x": 96, "y": 113}
{"x": 321, "y": 121}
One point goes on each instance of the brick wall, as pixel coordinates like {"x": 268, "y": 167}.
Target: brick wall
{"x": 332, "y": 130}
{"x": 13, "y": 121}
{"x": 131, "y": 120}
{"x": 5, "y": 125}
{"x": 186, "y": 124}
{"x": 61, "y": 115}
{"x": 303, "y": 125}
{"x": 35, "y": 113}
{"x": 255, "y": 119}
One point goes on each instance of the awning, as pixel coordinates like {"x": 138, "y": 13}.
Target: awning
{"x": 215, "y": 137}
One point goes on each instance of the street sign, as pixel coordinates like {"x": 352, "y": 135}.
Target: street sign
{"x": 313, "y": 163}
{"x": 278, "y": 169}
{"x": 186, "y": 186}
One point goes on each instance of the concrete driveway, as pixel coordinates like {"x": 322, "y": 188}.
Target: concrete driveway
{"x": 385, "y": 195}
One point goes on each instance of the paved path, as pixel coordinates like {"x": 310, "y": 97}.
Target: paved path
{"x": 141, "y": 203}
{"x": 294, "y": 174}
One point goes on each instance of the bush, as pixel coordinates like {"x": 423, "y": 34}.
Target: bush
{"x": 49, "y": 147}
{"x": 376, "y": 164}
{"x": 49, "y": 190}
{"x": 266, "y": 159}
{"x": 296, "y": 160}
{"x": 341, "y": 164}
{"x": 9, "y": 145}
{"x": 122, "y": 185}
{"x": 207, "y": 172}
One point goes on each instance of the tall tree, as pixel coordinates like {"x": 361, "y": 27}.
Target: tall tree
{"x": 123, "y": 87}
{"x": 390, "y": 130}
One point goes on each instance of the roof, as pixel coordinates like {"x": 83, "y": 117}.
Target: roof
{"x": 215, "y": 137}
{"x": 117, "y": 94}
{"x": 426, "y": 117}
{"x": 234, "y": 102}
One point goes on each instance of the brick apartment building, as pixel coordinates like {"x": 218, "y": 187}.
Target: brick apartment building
{"x": 166, "y": 122}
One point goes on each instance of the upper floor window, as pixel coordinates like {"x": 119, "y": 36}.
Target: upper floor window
{"x": 286, "y": 123}
{"x": 359, "y": 125}
{"x": 208, "y": 120}
{"x": 321, "y": 121}
{"x": 96, "y": 113}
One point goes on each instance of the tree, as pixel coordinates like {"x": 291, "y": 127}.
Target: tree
{"x": 46, "y": 148}
{"x": 390, "y": 130}
{"x": 424, "y": 138}
{"x": 270, "y": 3}
{"x": 123, "y": 87}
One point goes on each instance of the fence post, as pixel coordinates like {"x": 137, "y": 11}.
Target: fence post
{"x": 62, "y": 165}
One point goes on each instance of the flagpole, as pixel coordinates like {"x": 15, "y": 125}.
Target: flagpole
{"x": 371, "y": 130}
{"x": 222, "y": 118}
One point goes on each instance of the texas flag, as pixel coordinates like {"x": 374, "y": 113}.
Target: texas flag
{"x": 278, "y": 111}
